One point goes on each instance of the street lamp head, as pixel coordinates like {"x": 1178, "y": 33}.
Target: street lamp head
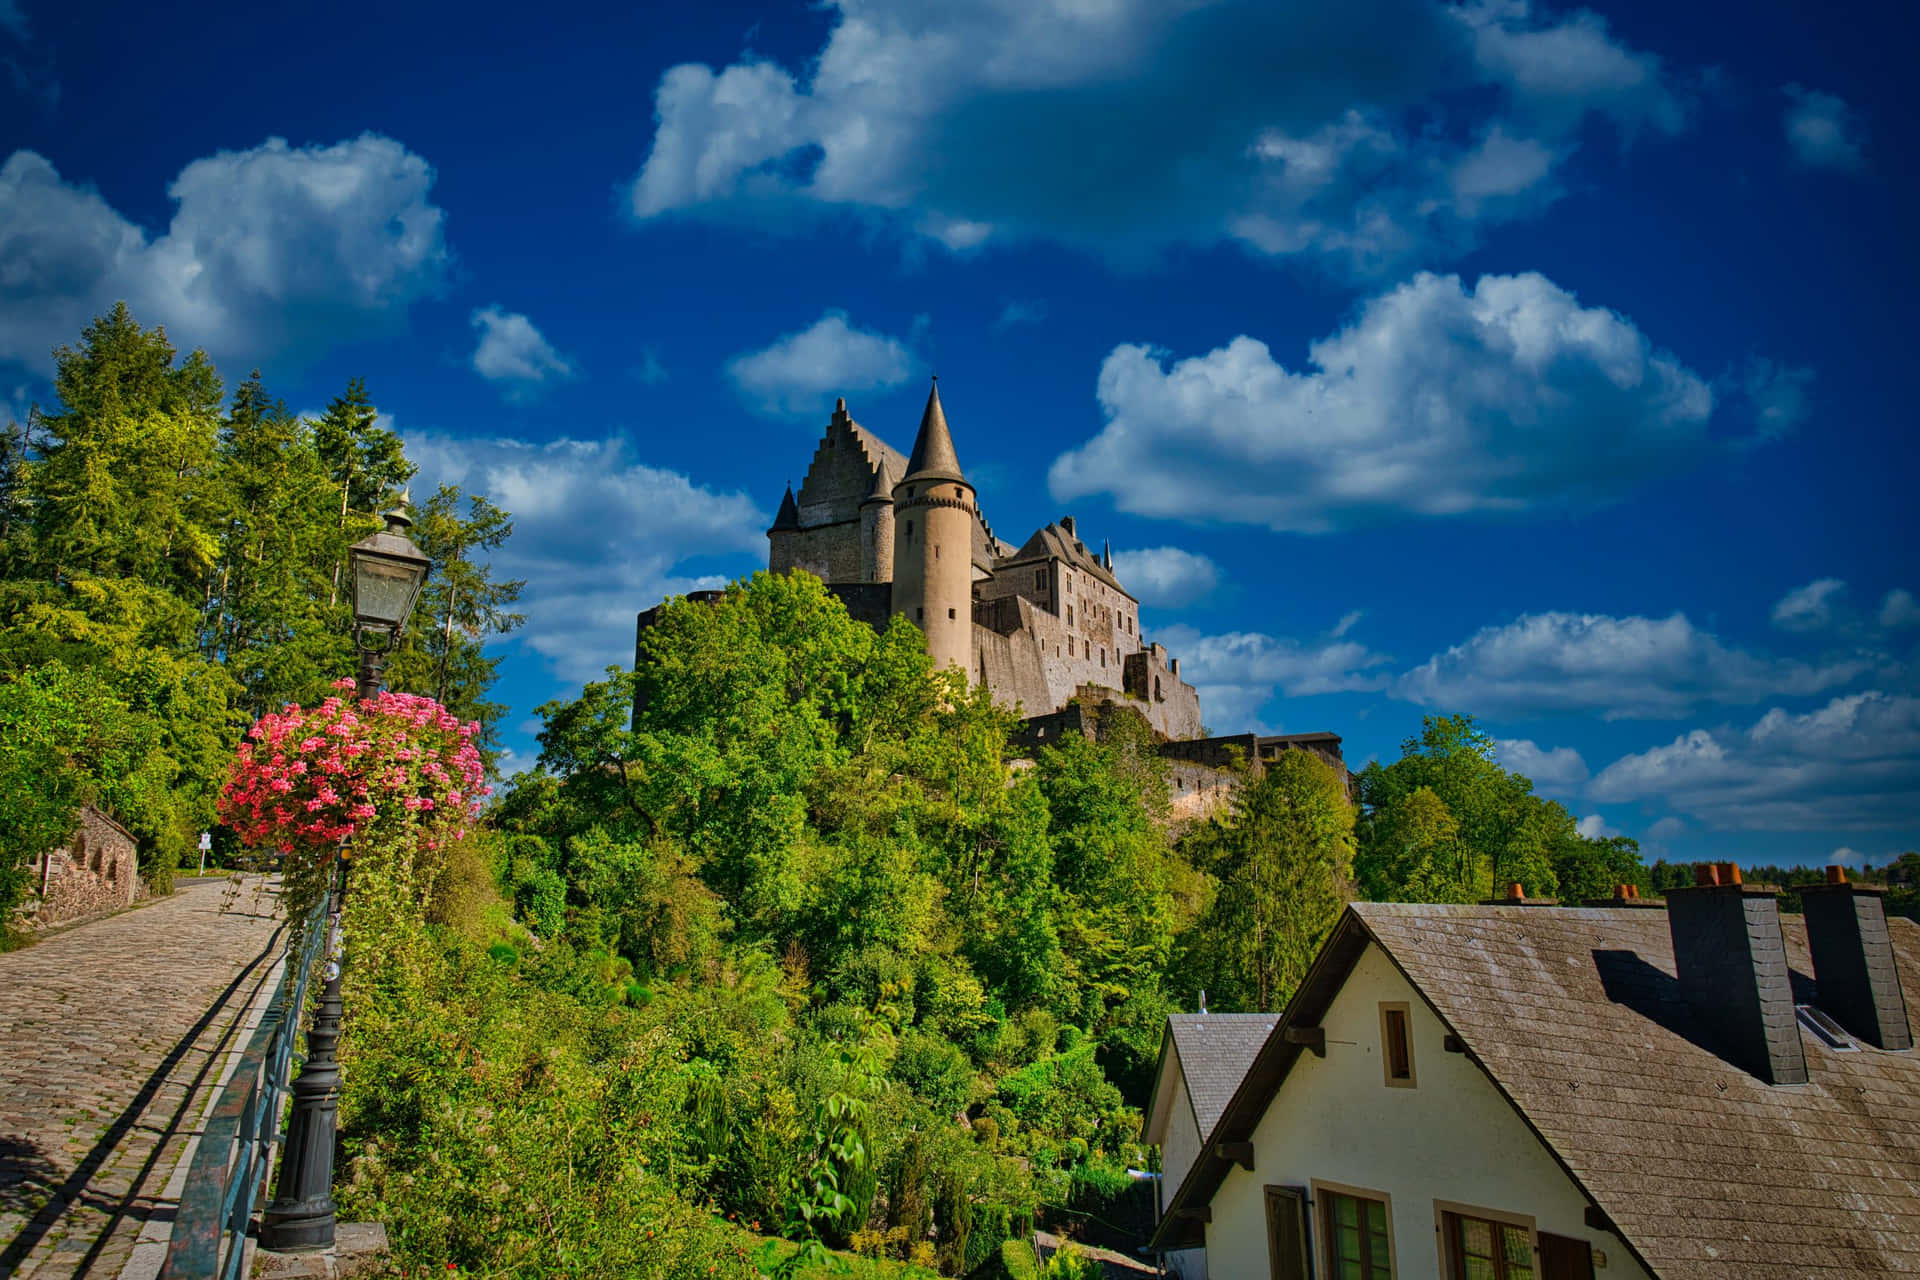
{"x": 388, "y": 573}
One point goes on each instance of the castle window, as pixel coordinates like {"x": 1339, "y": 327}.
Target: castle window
{"x": 1069, "y": 646}
{"x": 1156, "y": 690}
{"x": 950, "y": 615}
{"x": 1103, "y": 656}
{"x": 919, "y": 615}
{"x": 1069, "y": 615}
{"x": 936, "y": 551}
{"x": 1040, "y": 579}
{"x": 909, "y": 531}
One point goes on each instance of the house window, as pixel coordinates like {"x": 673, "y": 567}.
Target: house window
{"x": 1486, "y": 1248}
{"x": 1354, "y": 1233}
{"x": 1396, "y": 1043}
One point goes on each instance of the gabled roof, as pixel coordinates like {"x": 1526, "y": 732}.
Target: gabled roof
{"x": 1051, "y": 542}
{"x": 1575, "y": 1017}
{"x": 1215, "y": 1051}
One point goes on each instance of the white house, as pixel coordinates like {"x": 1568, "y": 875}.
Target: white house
{"x": 1520, "y": 1092}
{"x": 1203, "y": 1057}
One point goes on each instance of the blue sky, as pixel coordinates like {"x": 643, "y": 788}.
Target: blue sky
{"x": 1542, "y": 362}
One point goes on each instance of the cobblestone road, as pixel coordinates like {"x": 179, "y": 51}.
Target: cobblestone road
{"x": 111, "y": 1035}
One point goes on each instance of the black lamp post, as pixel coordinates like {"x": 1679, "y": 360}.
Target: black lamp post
{"x": 388, "y": 572}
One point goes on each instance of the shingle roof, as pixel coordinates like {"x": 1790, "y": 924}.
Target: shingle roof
{"x": 1576, "y": 1017}
{"x": 1053, "y": 542}
{"x": 1215, "y": 1051}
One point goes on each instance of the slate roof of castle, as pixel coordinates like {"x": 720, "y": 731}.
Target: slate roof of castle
{"x": 1053, "y": 542}
{"x": 1576, "y": 1018}
{"x": 1215, "y": 1051}
{"x": 933, "y": 455}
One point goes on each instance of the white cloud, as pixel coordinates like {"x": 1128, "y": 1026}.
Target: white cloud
{"x": 1166, "y": 577}
{"x": 1618, "y": 668}
{"x": 597, "y": 535}
{"x": 799, "y": 374}
{"x": 1346, "y": 623}
{"x": 1358, "y": 133}
{"x": 1823, "y": 131}
{"x": 1595, "y": 827}
{"x": 1239, "y": 672}
{"x": 1899, "y": 609}
{"x": 1435, "y": 401}
{"x": 273, "y": 250}
{"x": 513, "y": 352}
{"x": 1808, "y": 608}
{"x": 1557, "y": 769}
{"x": 1852, "y": 765}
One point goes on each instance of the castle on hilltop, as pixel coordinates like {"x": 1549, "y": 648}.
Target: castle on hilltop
{"x": 1045, "y": 625}
{"x": 1038, "y": 624}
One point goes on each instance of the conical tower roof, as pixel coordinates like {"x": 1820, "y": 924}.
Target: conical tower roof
{"x": 933, "y": 456}
{"x": 883, "y": 482}
{"x": 789, "y": 517}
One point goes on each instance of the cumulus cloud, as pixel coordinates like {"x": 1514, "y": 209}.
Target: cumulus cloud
{"x": 512, "y": 352}
{"x": 274, "y": 250}
{"x": 1666, "y": 829}
{"x": 1899, "y": 609}
{"x": 597, "y": 534}
{"x": 1823, "y": 131}
{"x": 799, "y": 374}
{"x": 1808, "y": 608}
{"x": 1357, "y": 133}
{"x": 1239, "y": 672}
{"x": 1851, "y": 765}
{"x": 1166, "y": 577}
{"x": 1618, "y": 668}
{"x": 1347, "y": 623}
{"x": 1437, "y": 400}
{"x": 1595, "y": 827}
{"x": 1552, "y": 769}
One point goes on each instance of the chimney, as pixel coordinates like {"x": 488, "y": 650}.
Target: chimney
{"x": 1732, "y": 965}
{"x": 1853, "y": 960}
{"x": 1066, "y": 522}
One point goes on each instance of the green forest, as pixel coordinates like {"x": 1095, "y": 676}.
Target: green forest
{"x": 780, "y": 961}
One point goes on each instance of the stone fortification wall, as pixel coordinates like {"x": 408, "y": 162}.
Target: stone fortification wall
{"x": 1197, "y": 792}
{"x": 830, "y": 552}
{"x": 1153, "y": 677}
{"x": 97, "y": 872}
{"x": 868, "y": 602}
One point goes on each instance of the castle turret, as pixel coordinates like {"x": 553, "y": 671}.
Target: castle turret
{"x": 933, "y": 519}
{"x": 780, "y": 536}
{"x": 876, "y": 527}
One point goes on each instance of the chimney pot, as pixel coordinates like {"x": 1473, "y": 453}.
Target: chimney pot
{"x": 1836, "y": 874}
{"x": 1729, "y": 872}
{"x": 1705, "y": 875}
{"x": 1516, "y": 892}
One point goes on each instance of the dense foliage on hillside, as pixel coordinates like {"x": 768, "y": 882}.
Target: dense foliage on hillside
{"x": 171, "y": 566}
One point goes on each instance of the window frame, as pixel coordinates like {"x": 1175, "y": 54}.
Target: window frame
{"x": 1452, "y": 1260}
{"x": 1405, "y": 1009}
{"x": 1322, "y": 1209}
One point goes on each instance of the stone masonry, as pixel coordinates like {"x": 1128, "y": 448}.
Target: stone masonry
{"x": 112, "y": 1035}
{"x": 96, "y": 872}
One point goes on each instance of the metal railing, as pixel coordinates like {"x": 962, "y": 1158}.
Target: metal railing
{"x": 236, "y": 1148}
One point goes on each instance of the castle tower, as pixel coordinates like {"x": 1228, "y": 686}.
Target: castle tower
{"x": 780, "y": 536}
{"x": 876, "y": 527}
{"x": 933, "y": 519}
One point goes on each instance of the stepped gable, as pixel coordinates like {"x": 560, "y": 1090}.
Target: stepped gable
{"x": 841, "y": 474}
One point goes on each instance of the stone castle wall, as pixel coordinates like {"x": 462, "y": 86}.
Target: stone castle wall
{"x": 98, "y": 871}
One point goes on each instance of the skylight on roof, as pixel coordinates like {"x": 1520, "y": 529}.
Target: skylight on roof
{"x": 1831, "y": 1033}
